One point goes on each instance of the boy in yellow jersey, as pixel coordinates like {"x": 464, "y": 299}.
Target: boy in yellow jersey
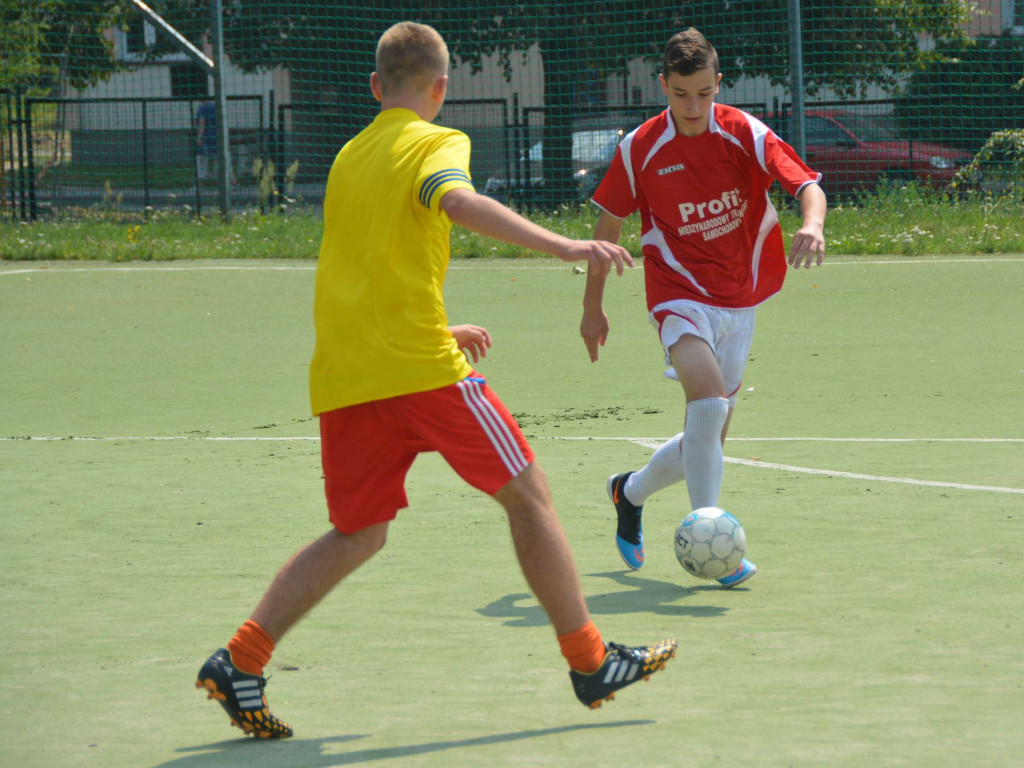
{"x": 389, "y": 381}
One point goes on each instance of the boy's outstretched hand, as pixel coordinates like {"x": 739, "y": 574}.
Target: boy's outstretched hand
{"x": 472, "y": 340}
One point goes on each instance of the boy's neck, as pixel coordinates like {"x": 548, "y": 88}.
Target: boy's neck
{"x": 422, "y": 107}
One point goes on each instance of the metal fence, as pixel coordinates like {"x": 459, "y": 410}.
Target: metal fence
{"x": 890, "y": 94}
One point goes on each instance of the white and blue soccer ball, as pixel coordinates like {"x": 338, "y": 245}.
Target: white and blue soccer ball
{"x": 710, "y": 543}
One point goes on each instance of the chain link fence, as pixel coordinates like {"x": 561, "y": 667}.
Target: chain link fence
{"x": 100, "y": 110}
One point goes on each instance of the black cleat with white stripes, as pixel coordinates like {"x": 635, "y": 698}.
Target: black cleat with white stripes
{"x": 242, "y": 697}
{"x": 622, "y": 666}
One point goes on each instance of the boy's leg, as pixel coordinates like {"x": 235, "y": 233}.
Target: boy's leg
{"x": 597, "y": 670}
{"x": 313, "y": 572}
{"x": 543, "y": 550}
{"x": 707, "y": 420}
{"x": 707, "y": 410}
{"x": 663, "y": 469}
{"x": 234, "y": 675}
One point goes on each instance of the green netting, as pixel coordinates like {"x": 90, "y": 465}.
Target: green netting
{"x": 99, "y": 109}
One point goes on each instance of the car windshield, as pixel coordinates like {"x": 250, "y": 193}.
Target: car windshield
{"x": 828, "y": 129}
{"x": 866, "y": 128}
{"x": 588, "y": 147}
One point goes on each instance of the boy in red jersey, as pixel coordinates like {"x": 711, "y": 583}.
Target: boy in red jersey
{"x": 388, "y": 382}
{"x": 699, "y": 175}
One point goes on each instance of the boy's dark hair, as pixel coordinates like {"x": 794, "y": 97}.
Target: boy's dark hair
{"x": 687, "y": 52}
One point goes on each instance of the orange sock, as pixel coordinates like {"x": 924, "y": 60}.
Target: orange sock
{"x": 584, "y": 648}
{"x": 251, "y": 648}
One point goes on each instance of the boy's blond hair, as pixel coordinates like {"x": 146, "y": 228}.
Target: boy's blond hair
{"x": 410, "y": 55}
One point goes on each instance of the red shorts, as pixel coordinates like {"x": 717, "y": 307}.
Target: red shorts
{"x": 367, "y": 449}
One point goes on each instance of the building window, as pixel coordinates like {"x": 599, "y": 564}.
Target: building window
{"x": 1013, "y": 16}
{"x": 131, "y": 43}
{"x": 138, "y": 35}
{"x": 188, "y": 81}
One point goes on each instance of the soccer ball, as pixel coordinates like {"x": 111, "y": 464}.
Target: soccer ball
{"x": 710, "y": 543}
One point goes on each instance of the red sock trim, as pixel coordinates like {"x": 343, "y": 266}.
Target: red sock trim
{"x": 584, "y": 648}
{"x": 251, "y": 648}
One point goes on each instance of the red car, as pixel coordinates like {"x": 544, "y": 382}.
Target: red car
{"x": 853, "y": 153}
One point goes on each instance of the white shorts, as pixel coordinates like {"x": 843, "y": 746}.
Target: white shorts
{"x": 729, "y": 333}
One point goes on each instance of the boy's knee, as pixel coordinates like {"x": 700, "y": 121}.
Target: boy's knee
{"x": 368, "y": 541}
{"x": 706, "y": 417}
{"x": 528, "y": 491}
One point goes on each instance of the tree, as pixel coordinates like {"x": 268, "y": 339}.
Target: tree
{"x": 979, "y": 79}
{"x": 41, "y": 40}
{"x": 848, "y": 46}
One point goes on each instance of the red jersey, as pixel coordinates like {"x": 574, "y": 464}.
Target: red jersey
{"x": 708, "y": 229}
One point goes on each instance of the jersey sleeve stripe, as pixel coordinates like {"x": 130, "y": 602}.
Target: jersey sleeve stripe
{"x": 435, "y": 180}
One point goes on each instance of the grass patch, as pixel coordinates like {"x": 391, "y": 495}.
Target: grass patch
{"x": 897, "y": 221}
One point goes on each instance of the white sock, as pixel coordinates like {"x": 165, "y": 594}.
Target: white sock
{"x": 665, "y": 468}
{"x": 703, "y": 460}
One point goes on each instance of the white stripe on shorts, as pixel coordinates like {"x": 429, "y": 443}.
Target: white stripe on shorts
{"x": 498, "y": 432}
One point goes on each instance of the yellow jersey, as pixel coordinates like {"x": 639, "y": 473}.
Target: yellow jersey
{"x": 381, "y": 324}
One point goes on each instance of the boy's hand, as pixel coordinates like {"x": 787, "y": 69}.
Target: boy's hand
{"x": 472, "y": 340}
{"x": 594, "y": 330}
{"x": 600, "y": 254}
{"x": 807, "y": 242}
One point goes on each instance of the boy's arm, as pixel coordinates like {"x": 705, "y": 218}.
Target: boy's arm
{"x": 594, "y": 325}
{"x": 488, "y": 217}
{"x": 810, "y": 238}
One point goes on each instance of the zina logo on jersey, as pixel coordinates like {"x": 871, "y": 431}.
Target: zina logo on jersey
{"x": 671, "y": 169}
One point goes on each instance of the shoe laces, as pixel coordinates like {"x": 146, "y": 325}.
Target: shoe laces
{"x": 627, "y": 652}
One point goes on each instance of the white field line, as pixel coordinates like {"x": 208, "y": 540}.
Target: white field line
{"x": 649, "y": 443}
{"x": 518, "y": 266}
{"x": 646, "y": 442}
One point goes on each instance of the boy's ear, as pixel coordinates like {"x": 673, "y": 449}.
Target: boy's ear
{"x": 439, "y": 88}
{"x": 375, "y": 87}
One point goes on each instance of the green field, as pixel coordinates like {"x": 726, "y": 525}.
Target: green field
{"x": 158, "y": 464}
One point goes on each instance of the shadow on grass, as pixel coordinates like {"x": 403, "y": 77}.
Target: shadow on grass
{"x": 649, "y": 596}
{"x": 312, "y": 753}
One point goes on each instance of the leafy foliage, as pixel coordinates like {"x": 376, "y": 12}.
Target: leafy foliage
{"x": 41, "y": 39}
{"x": 848, "y": 46}
{"x": 977, "y": 78}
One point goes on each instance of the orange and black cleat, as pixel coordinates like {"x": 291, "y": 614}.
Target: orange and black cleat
{"x": 242, "y": 697}
{"x": 622, "y": 666}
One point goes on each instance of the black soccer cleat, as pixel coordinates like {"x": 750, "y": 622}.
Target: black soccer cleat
{"x": 242, "y": 697}
{"x": 622, "y": 666}
{"x": 629, "y": 535}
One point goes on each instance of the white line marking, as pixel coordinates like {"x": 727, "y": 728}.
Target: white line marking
{"x": 879, "y": 478}
{"x": 516, "y": 265}
{"x": 153, "y": 439}
{"x": 654, "y": 442}
{"x": 646, "y": 442}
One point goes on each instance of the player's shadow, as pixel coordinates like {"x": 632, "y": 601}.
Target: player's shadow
{"x": 648, "y": 596}
{"x": 320, "y": 753}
